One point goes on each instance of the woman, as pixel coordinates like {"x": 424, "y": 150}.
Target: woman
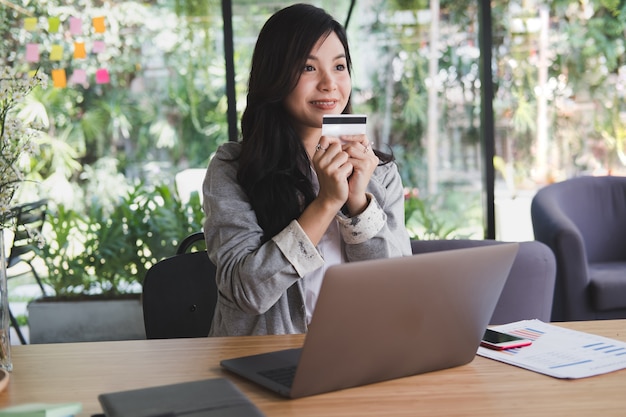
{"x": 286, "y": 203}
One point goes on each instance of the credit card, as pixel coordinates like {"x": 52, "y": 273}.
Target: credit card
{"x": 343, "y": 124}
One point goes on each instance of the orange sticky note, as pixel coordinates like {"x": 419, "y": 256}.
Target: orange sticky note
{"x": 98, "y": 24}
{"x": 30, "y": 24}
{"x": 56, "y": 53}
{"x": 32, "y": 52}
{"x": 59, "y": 79}
{"x": 102, "y": 76}
{"x": 79, "y": 50}
{"x": 53, "y": 24}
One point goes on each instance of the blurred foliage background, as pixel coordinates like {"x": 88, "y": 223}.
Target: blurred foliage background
{"x": 559, "y": 74}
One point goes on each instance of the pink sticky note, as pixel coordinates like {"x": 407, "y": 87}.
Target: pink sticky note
{"x": 32, "y": 52}
{"x": 79, "y": 76}
{"x": 98, "y": 47}
{"x": 102, "y": 76}
{"x": 76, "y": 26}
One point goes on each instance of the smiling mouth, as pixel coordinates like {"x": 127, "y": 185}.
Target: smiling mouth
{"x": 324, "y": 103}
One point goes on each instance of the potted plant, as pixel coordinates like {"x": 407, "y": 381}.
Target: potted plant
{"x": 16, "y": 144}
{"x": 97, "y": 260}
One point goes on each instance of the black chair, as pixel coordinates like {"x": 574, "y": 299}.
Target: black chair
{"x": 180, "y": 293}
{"x": 529, "y": 288}
{"x": 29, "y": 221}
{"x": 583, "y": 220}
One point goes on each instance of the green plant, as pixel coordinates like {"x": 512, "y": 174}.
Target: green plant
{"x": 437, "y": 217}
{"x": 22, "y": 320}
{"x": 16, "y": 137}
{"x": 108, "y": 251}
{"x": 61, "y": 252}
{"x": 422, "y": 223}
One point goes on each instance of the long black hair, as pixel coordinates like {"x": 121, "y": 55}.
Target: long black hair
{"x": 274, "y": 168}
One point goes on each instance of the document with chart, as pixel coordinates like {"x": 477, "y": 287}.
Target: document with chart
{"x": 560, "y": 352}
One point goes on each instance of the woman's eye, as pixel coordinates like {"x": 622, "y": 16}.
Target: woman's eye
{"x": 341, "y": 67}
{"x": 309, "y": 68}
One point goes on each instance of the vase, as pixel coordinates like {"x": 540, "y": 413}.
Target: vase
{"x": 5, "y": 329}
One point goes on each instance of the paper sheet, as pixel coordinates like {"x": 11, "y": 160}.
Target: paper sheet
{"x": 560, "y": 352}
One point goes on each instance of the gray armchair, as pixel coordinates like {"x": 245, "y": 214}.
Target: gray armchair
{"x": 528, "y": 291}
{"x": 583, "y": 220}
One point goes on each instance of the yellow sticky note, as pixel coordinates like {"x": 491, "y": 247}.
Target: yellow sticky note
{"x": 53, "y": 24}
{"x": 56, "y": 53}
{"x": 30, "y": 24}
{"x": 59, "y": 79}
{"x": 98, "y": 24}
{"x": 79, "y": 50}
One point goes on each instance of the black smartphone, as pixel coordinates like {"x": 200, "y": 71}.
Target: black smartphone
{"x": 493, "y": 339}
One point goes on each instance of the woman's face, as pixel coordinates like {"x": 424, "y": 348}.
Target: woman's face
{"x": 324, "y": 86}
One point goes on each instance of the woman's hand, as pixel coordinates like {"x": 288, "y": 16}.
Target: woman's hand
{"x": 364, "y": 162}
{"x": 344, "y": 168}
{"x": 333, "y": 168}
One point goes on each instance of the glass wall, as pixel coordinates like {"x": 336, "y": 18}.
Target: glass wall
{"x": 421, "y": 90}
{"x": 560, "y": 76}
{"x": 147, "y": 99}
{"x": 138, "y": 94}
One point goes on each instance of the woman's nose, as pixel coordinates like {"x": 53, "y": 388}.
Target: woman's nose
{"x": 327, "y": 82}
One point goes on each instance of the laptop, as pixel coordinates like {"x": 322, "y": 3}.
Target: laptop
{"x": 388, "y": 318}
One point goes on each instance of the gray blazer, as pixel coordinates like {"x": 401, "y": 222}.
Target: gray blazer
{"x": 260, "y": 285}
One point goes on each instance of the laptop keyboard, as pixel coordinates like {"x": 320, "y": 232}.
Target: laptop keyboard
{"x": 283, "y": 376}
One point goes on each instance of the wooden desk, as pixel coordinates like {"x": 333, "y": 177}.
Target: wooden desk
{"x": 80, "y": 371}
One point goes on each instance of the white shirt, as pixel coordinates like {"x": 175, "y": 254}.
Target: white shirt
{"x": 329, "y": 248}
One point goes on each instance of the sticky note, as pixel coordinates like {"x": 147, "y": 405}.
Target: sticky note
{"x": 59, "y": 79}
{"x": 76, "y": 25}
{"x": 79, "y": 76}
{"x": 98, "y": 47}
{"x": 30, "y": 24}
{"x": 98, "y": 24}
{"x": 53, "y": 24}
{"x": 79, "y": 50}
{"x": 102, "y": 76}
{"x": 56, "y": 53}
{"x": 32, "y": 52}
